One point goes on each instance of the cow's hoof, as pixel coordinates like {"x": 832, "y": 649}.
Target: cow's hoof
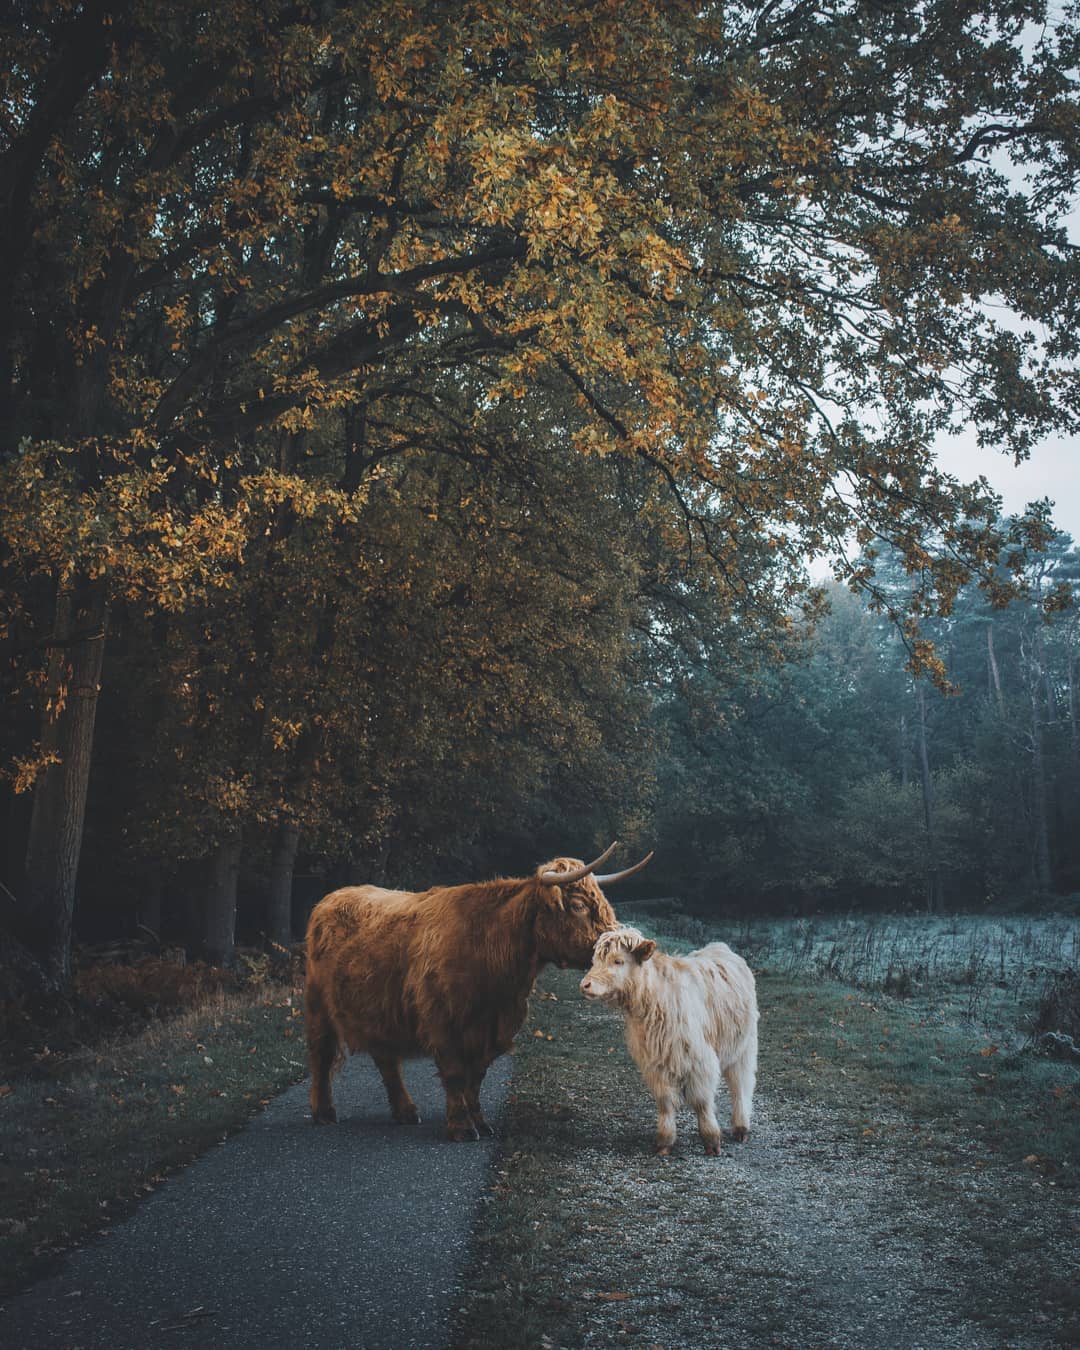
{"x": 461, "y": 1134}
{"x": 482, "y": 1127}
{"x": 712, "y": 1148}
{"x": 325, "y": 1116}
{"x": 410, "y": 1116}
{"x": 740, "y": 1136}
{"x": 662, "y": 1150}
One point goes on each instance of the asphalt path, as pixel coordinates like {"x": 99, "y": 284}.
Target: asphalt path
{"x": 286, "y": 1234}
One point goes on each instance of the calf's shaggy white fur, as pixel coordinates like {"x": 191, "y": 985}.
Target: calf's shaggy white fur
{"x": 688, "y": 1019}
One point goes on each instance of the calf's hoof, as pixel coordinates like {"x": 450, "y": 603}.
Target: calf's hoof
{"x": 461, "y": 1134}
{"x": 712, "y": 1148}
{"x": 662, "y": 1150}
{"x": 325, "y": 1115}
{"x": 483, "y": 1129}
{"x": 740, "y": 1136}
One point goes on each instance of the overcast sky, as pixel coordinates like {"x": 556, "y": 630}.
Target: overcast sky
{"x": 1052, "y": 471}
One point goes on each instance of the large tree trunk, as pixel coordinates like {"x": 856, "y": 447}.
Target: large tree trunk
{"x": 933, "y": 871}
{"x": 279, "y": 898}
{"x": 148, "y": 910}
{"x": 995, "y": 674}
{"x": 219, "y": 902}
{"x": 67, "y": 735}
{"x": 1040, "y": 827}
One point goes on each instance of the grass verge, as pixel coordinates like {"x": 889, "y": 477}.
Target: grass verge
{"x": 907, "y": 1182}
{"x": 84, "y": 1134}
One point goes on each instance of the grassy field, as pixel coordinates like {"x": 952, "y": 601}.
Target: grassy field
{"x": 909, "y": 1181}
{"x": 84, "y": 1132}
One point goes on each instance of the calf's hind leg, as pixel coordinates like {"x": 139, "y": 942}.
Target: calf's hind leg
{"x": 324, "y": 1055}
{"x": 402, "y": 1106}
{"x": 741, "y": 1078}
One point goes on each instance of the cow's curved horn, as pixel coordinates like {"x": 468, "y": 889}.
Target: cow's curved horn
{"x": 565, "y": 878}
{"x": 628, "y": 872}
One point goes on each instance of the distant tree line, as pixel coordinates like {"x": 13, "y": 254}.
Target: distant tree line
{"x": 838, "y": 780}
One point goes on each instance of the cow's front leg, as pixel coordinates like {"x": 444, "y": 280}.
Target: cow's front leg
{"x": 474, "y": 1077}
{"x": 459, "y": 1125}
{"x": 402, "y": 1106}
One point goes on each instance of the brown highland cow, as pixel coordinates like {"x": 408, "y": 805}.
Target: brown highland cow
{"x": 444, "y": 972}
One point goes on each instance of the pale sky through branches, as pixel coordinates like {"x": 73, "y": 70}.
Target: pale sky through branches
{"x": 1052, "y": 471}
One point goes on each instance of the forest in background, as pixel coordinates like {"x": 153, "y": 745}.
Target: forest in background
{"x": 416, "y": 423}
{"x": 837, "y": 781}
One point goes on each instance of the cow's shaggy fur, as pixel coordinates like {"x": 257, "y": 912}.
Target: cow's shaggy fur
{"x": 444, "y": 972}
{"x": 688, "y": 1019}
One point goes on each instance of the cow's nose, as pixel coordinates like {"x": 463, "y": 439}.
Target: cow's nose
{"x": 585, "y": 985}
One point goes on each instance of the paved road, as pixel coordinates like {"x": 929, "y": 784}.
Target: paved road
{"x": 351, "y": 1237}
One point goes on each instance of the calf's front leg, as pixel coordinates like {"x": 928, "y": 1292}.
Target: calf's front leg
{"x": 665, "y": 1119}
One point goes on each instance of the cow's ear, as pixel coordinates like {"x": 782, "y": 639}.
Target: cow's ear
{"x": 644, "y": 950}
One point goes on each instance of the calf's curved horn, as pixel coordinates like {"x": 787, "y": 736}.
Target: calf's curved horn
{"x": 627, "y": 872}
{"x": 565, "y": 878}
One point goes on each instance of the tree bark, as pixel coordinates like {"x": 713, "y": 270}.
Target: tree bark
{"x": 67, "y": 735}
{"x": 279, "y": 898}
{"x": 995, "y": 674}
{"x": 219, "y": 902}
{"x": 149, "y": 908}
{"x": 1043, "y": 869}
{"x": 933, "y": 872}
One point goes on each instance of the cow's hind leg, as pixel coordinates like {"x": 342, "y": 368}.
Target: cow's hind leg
{"x": 402, "y": 1106}
{"x": 324, "y": 1055}
{"x": 459, "y": 1125}
{"x": 474, "y": 1077}
{"x": 741, "y": 1078}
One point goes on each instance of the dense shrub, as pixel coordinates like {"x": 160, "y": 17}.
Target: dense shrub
{"x": 151, "y": 985}
{"x": 1057, "y": 1018}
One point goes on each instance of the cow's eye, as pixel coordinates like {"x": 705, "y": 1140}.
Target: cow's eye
{"x": 579, "y": 906}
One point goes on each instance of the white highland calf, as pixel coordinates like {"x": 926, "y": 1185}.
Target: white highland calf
{"x": 688, "y": 1019}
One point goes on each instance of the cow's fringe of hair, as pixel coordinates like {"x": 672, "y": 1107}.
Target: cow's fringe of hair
{"x": 617, "y": 939}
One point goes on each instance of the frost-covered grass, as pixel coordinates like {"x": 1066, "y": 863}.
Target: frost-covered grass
{"x": 990, "y": 972}
{"x": 909, "y": 1179}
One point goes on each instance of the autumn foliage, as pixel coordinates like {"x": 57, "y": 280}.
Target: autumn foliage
{"x": 389, "y": 388}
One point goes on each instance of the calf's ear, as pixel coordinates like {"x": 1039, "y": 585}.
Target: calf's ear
{"x": 644, "y": 950}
